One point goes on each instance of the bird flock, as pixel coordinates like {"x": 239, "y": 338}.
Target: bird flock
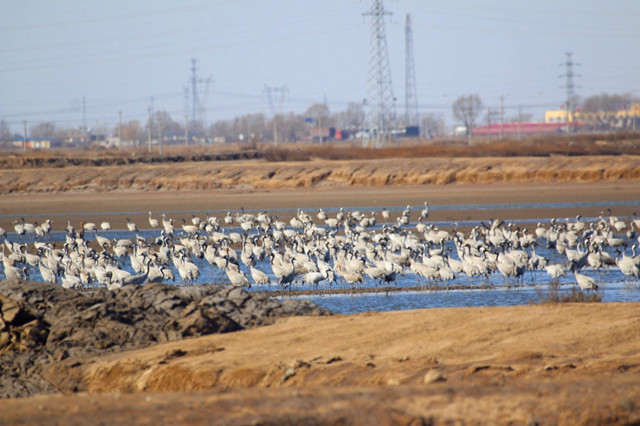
{"x": 351, "y": 249}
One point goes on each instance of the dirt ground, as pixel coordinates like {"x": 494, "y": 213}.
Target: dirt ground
{"x": 538, "y": 364}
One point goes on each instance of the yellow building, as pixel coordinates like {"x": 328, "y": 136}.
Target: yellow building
{"x": 558, "y": 116}
{"x": 592, "y": 117}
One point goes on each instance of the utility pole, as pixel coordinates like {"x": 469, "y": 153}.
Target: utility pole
{"x": 380, "y": 113}
{"x": 149, "y": 131}
{"x": 185, "y": 89}
{"x": 519, "y": 119}
{"x": 275, "y": 130}
{"x": 411, "y": 117}
{"x": 119, "y": 130}
{"x": 24, "y": 139}
{"x": 469, "y": 129}
{"x": 501, "y": 114}
{"x": 160, "y": 134}
{"x": 84, "y": 116}
{"x": 186, "y": 135}
{"x": 489, "y": 123}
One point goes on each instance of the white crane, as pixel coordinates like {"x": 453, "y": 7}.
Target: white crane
{"x": 132, "y": 227}
{"x": 425, "y": 212}
{"x": 88, "y": 226}
{"x": 258, "y": 276}
{"x": 13, "y": 273}
{"x": 154, "y": 223}
{"x": 237, "y": 278}
{"x": 585, "y": 282}
{"x": 285, "y": 273}
{"x": 189, "y": 229}
{"x": 555, "y": 270}
{"x": 228, "y": 219}
{"x": 628, "y": 266}
{"x": 138, "y": 279}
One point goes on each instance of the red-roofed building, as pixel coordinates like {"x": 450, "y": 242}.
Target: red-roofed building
{"x": 514, "y": 129}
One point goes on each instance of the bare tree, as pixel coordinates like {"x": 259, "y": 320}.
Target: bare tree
{"x": 604, "y": 111}
{"x": 132, "y": 131}
{"x": 352, "y": 118}
{"x": 221, "y": 129}
{"x": 292, "y": 127}
{"x": 5, "y": 133}
{"x": 466, "y": 110}
{"x": 169, "y": 125}
{"x": 433, "y": 126}
{"x": 44, "y": 130}
{"x": 321, "y": 113}
{"x": 521, "y": 118}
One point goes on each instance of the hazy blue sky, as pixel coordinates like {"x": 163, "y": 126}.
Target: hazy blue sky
{"x": 120, "y": 54}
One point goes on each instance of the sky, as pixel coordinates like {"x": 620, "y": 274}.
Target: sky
{"x": 76, "y": 62}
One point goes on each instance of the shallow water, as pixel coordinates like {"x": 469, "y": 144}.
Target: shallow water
{"x": 347, "y": 304}
{"x": 530, "y": 289}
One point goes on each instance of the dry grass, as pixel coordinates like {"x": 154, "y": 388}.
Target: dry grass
{"x": 215, "y": 173}
{"x": 554, "y": 295}
{"x": 612, "y": 144}
{"x": 541, "y": 146}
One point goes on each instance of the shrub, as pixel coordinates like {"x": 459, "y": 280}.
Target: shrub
{"x": 555, "y": 295}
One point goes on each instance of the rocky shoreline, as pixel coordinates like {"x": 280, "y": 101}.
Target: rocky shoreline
{"x": 41, "y": 324}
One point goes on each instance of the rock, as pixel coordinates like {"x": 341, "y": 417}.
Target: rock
{"x": 43, "y": 323}
{"x": 13, "y": 314}
{"x": 238, "y": 295}
{"x": 199, "y": 324}
{"x": 433, "y": 376}
{"x": 32, "y": 334}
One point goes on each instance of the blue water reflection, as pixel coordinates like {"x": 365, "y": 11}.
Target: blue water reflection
{"x": 532, "y": 287}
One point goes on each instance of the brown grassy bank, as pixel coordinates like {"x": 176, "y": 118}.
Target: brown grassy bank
{"x": 320, "y": 173}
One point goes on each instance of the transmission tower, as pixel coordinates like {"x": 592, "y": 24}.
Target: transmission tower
{"x": 276, "y": 97}
{"x": 570, "y": 104}
{"x": 276, "y": 108}
{"x": 411, "y": 94}
{"x": 202, "y": 102}
{"x": 380, "y": 109}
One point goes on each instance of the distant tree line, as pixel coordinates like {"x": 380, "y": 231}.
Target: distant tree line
{"x": 601, "y": 112}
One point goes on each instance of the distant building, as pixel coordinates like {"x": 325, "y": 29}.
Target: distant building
{"x": 515, "y": 129}
{"x": 616, "y": 119}
{"x": 558, "y": 116}
{"x": 32, "y": 143}
{"x": 322, "y": 134}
